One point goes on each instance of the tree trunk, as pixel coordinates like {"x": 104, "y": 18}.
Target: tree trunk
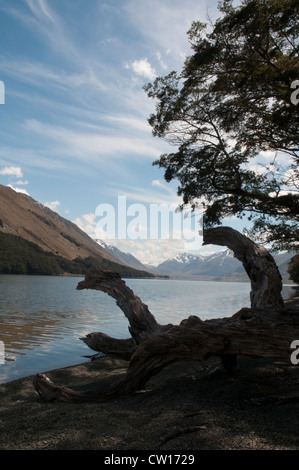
{"x": 142, "y": 322}
{"x": 259, "y": 264}
{"x": 267, "y": 329}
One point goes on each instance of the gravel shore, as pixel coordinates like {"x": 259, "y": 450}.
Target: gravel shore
{"x": 193, "y": 406}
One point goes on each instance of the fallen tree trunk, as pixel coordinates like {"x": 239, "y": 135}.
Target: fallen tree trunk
{"x": 250, "y": 332}
{"x": 142, "y": 322}
{"x": 265, "y": 330}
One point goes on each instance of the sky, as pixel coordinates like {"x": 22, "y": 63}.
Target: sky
{"x": 74, "y": 133}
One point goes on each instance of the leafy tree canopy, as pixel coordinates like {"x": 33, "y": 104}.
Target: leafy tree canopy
{"x": 231, "y": 116}
{"x": 293, "y": 269}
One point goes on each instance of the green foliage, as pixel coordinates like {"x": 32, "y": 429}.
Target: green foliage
{"x": 231, "y": 101}
{"x": 19, "y": 256}
{"x": 293, "y": 269}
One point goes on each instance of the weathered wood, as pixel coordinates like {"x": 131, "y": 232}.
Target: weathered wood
{"x": 142, "y": 322}
{"x": 100, "y": 342}
{"x": 250, "y": 332}
{"x": 265, "y": 330}
{"x": 259, "y": 264}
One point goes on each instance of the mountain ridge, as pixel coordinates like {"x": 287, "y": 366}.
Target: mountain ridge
{"x": 23, "y": 216}
{"x": 218, "y": 266}
{"x": 27, "y": 219}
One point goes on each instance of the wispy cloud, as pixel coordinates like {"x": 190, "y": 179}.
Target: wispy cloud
{"x": 44, "y": 76}
{"x": 166, "y": 23}
{"x": 49, "y": 26}
{"x": 21, "y": 183}
{"x": 94, "y": 147}
{"x": 151, "y": 196}
{"x": 78, "y": 109}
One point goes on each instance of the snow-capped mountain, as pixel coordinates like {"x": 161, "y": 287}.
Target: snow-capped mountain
{"x": 127, "y": 258}
{"x": 218, "y": 266}
{"x": 213, "y": 266}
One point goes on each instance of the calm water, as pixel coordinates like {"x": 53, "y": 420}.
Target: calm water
{"x": 42, "y": 318}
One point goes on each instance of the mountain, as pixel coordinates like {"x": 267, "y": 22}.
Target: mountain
{"x": 125, "y": 258}
{"x": 49, "y": 238}
{"x": 195, "y": 265}
{"x": 221, "y": 266}
{"x": 128, "y": 259}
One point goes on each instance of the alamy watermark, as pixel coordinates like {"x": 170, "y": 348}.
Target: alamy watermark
{"x": 149, "y": 222}
{"x": 2, "y": 92}
{"x": 295, "y": 94}
{"x": 295, "y": 354}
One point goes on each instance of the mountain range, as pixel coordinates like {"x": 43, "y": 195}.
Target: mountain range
{"x": 219, "y": 266}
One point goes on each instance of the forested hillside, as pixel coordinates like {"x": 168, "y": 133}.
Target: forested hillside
{"x": 19, "y": 256}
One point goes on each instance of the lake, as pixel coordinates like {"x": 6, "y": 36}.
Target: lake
{"x": 42, "y": 318}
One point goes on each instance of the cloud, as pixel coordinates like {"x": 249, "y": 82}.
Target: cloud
{"x": 20, "y": 182}
{"x": 12, "y": 171}
{"x": 49, "y": 26}
{"x": 147, "y": 195}
{"x": 15, "y": 172}
{"x": 150, "y": 251}
{"x": 164, "y": 25}
{"x": 164, "y": 187}
{"x": 157, "y": 183}
{"x": 87, "y": 223}
{"x": 18, "y": 190}
{"x": 143, "y": 68}
{"x": 147, "y": 251}
{"x": 44, "y": 76}
{"x": 93, "y": 145}
{"x": 53, "y": 205}
{"x": 40, "y": 9}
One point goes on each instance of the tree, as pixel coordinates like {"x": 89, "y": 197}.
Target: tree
{"x": 231, "y": 101}
{"x": 293, "y": 269}
{"x": 231, "y": 117}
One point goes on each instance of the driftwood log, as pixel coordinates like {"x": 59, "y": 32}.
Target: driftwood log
{"x": 267, "y": 329}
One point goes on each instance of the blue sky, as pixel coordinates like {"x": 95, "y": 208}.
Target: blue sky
{"x": 74, "y": 132}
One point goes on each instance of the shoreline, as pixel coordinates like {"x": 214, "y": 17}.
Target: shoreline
{"x": 222, "y": 411}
